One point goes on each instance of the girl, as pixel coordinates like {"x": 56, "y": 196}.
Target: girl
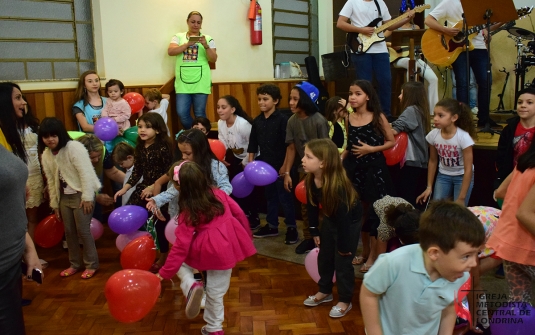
{"x": 336, "y": 114}
{"x": 368, "y": 136}
{"x": 234, "y": 128}
{"x": 153, "y": 158}
{"x": 72, "y": 184}
{"x": 415, "y": 122}
{"x": 116, "y": 107}
{"x": 209, "y": 222}
{"x": 88, "y": 106}
{"x": 451, "y": 141}
{"x": 328, "y": 185}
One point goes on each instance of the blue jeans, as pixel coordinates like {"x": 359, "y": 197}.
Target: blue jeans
{"x": 446, "y": 185}
{"x": 473, "y": 89}
{"x": 367, "y": 66}
{"x": 275, "y": 194}
{"x": 183, "y": 106}
{"x": 478, "y": 64}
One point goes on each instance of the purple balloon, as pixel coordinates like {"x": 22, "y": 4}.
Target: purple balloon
{"x": 97, "y": 229}
{"x": 123, "y": 239}
{"x": 515, "y": 319}
{"x": 106, "y": 129}
{"x": 127, "y": 219}
{"x": 240, "y": 186}
{"x": 260, "y": 173}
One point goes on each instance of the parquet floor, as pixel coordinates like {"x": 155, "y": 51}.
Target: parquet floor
{"x": 265, "y": 298}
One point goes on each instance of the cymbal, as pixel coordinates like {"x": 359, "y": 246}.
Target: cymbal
{"x": 522, "y": 33}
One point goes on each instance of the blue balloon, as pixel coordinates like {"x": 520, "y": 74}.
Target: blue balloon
{"x": 240, "y": 186}
{"x": 127, "y": 219}
{"x": 106, "y": 129}
{"x": 260, "y": 173}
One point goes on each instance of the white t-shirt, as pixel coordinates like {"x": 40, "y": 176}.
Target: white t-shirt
{"x": 162, "y": 110}
{"x": 450, "y": 152}
{"x": 362, "y": 13}
{"x": 452, "y": 11}
{"x": 235, "y": 137}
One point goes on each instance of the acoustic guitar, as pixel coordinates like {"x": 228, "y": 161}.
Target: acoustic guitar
{"x": 442, "y": 50}
{"x": 360, "y": 43}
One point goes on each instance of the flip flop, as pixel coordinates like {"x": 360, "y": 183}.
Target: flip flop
{"x": 68, "y": 272}
{"x": 88, "y": 274}
{"x": 365, "y": 268}
{"x": 358, "y": 260}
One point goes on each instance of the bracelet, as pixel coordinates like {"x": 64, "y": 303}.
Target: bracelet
{"x": 286, "y": 172}
{"x": 429, "y": 187}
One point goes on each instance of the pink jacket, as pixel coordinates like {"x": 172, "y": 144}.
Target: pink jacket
{"x": 120, "y": 111}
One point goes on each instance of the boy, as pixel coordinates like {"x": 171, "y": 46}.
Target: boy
{"x": 268, "y": 135}
{"x": 203, "y": 124}
{"x": 156, "y": 102}
{"x": 412, "y": 289}
{"x": 123, "y": 155}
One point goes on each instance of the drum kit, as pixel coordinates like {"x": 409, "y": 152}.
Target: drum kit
{"x": 525, "y": 46}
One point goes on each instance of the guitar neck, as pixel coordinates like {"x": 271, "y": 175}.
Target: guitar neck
{"x": 399, "y": 18}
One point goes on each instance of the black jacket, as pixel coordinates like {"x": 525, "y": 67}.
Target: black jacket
{"x": 505, "y": 154}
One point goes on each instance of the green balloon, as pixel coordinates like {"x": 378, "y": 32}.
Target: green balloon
{"x": 131, "y": 134}
{"x": 75, "y": 134}
{"x": 500, "y": 203}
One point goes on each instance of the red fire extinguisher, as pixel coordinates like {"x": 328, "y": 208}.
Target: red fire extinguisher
{"x": 255, "y": 18}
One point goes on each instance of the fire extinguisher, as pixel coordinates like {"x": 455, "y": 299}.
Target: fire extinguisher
{"x": 255, "y": 18}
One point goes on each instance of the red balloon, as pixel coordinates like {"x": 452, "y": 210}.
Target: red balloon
{"x": 139, "y": 253}
{"x": 49, "y": 232}
{"x": 135, "y": 100}
{"x": 301, "y": 192}
{"x": 131, "y": 294}
{"x": 395, "y": 154}
{"x": 218, "y": 148}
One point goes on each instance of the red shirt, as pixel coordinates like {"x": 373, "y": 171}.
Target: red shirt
{"x": 522, "y": 140}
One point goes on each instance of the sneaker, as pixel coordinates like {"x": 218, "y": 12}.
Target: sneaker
{"x": 206, "y": 332}
{"x": 193, "y": 301}
{"x": 254, "y": 223}
{"x": 337, "y": 312}
{"x": 266, "y": 231}
{"x": 305, "y": 246}
{"x": 292, "y": 236}
{"x": 311, "y": 301}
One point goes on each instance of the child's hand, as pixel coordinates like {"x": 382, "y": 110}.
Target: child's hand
{"x": 342, "y": 102}
{"x": 317, "y": 241}
{"x": 151, "y": 205}
{"x": 147, "y": 192}
{"x": 159, "y": 277}
{"x": 424, "y": 196}
{"x": 58, "y": 214}
{"x": 225, "y": 163}
{"x": 362, "y": 149}
{"x": 87, "y": 206}
{"x": 119, "y": 193}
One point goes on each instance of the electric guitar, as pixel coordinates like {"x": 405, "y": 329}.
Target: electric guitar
{"x": 442, "y": 50}
{"x": 360, "y": 43}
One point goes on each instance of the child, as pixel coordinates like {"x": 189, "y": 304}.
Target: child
{"x": 203, "y": 124}
{"x": 123, "y": 155}
{"x": 451, "y": 141}
{"x": 336, "y": 114}
{"x": 327, "y": 184}
{"x": 304, "y": 125}
{"x": 234, "y": 128}
{"x": 425, "y": 282}
{"x": 213, "y": 235}
{"x": 268, "y": 135}
{"x": 156, "y": 102}
{"x": 116, "y": 107}
{"x": 72, "y": 184}
{"x": 153, "y": 158}
{"x": 368, "y": 136}
{"x": 415, "y": 121}
{"x": 89, "y": 104}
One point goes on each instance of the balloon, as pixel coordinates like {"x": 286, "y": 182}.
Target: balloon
{"x": 218, "y": 148}
{"x": 516, "y": 318}
{"x": 240, "y": 186}
{"x": 460, "y": 309}
{"x": 260, "y": 173}
{"x": 131, "y": 294}
{"x": 301, "y": 192}
{"x": 500, "y": 203}
{"x": 311, "y": 265}
{"x": 49, "y": 232}
{"x": 75, "y": 134}
{"x": 395, "y": 154}
{"x": 120, "y": 139}
{"x": 106, "y": 129}
{"x": 131, "y": 134}
{"x": 135, "y": 100}
{"x": 127, "y": 219}
{"x": 97, "y": 229}
{"x": 139, "y": 253}
{"x": 123, "y": 239}
{"x": 170, "y": 231}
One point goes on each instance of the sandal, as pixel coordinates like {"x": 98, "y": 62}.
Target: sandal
{"x": 88, "y": 274}
{"x": 358, "y": 260}
{"x": 68, "y": 272}
{"x": 365, "y": 268}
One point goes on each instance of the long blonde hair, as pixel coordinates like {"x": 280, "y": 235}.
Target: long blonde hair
{"x": 93, "y": 144}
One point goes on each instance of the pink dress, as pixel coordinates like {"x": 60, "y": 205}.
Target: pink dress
{"x": 217, "y": 245}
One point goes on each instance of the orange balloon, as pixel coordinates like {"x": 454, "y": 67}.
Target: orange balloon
{"x": 395, "y": 154}
{"x": 49, "y": 232}
{"x": 301, "y": 192}
{"x": 139, "y": 253}
{"x": 131, "y": 294}
{"x": 218, "y": 148}
{"x": 135, "y": 100}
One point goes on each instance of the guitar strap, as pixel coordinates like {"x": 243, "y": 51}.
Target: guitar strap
{"x": 378, "y": 8}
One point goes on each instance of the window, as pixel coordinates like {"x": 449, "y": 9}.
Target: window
{"x": 295, "y": 31}
{"x": 45, "y": 40}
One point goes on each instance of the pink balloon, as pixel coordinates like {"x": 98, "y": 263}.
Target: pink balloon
{"x": 311, "y": 264}
{"x": 123, "y": 239}
{"x": 170, "y": 231}
{"x": 97, "y": 229}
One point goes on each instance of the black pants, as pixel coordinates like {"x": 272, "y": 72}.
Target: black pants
{"x": 11, "y": 319}
{"x": 329, "y": 261}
